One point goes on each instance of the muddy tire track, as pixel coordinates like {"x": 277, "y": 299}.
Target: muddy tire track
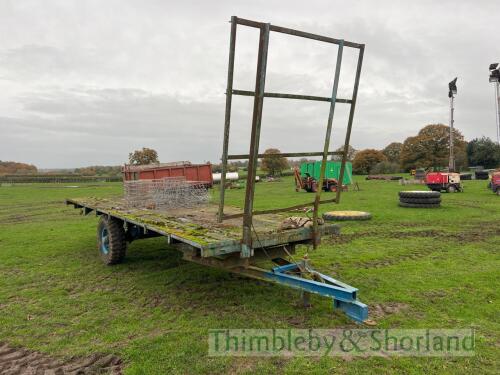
{"x": 23, "y": 361}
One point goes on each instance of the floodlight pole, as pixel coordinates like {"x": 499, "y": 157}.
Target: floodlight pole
{"x": 451, "y": 94}
{"x": 497, "y": 104}
{"x": 495, "y": 79}
{"x": 451, "y": 164}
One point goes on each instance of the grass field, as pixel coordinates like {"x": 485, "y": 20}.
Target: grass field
{"x": 415, "y": 268}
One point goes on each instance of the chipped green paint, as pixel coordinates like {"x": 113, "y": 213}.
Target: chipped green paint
{"x": 190, "y": 232}
{"x": 200, "y": 231}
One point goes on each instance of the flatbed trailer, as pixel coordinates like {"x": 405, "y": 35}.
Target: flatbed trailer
{"x": 197, "y": 234}
{"x": 238, "y": 240}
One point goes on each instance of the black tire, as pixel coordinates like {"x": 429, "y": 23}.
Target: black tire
{"x": 452, "y": 189}
{"x": 420, "y": 200}
{"x": 482, "y": 175}
{"x": 419, "y": 194}
{"x": 111, "y": 241}
{"x": 420, "y": 205}
{"x": 346, "y": 215}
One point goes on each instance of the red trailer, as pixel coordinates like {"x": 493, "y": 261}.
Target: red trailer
{"x": 193, "y": 172}
{"x": 495, "y": 182}
{"x": 438, "y": 181}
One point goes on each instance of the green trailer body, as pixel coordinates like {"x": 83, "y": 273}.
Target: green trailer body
{"x": 313, "y": 168}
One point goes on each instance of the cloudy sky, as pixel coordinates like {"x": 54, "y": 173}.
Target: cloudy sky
{"x": 85, "y": 82}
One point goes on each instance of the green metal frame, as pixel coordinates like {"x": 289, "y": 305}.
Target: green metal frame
{"x": 259, "y": 94}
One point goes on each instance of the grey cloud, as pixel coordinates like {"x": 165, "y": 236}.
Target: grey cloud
{"x": 87, "y": 82}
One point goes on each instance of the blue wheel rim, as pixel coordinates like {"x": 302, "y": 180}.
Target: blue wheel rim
{"x": 104, "y": 241}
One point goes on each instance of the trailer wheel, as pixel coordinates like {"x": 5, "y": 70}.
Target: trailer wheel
{"x": 111, "y": 241}
{"x": 451, "y": 189}
{"x": 314, "y": 187}
{"x": 332, "y": 188}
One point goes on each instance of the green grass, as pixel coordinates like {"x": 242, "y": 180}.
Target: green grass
{"x": 155, "y": 310}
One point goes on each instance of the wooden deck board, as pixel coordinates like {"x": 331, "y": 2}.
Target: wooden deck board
{"x": 199, "y": 228}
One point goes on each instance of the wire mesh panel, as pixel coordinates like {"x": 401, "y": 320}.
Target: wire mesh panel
{"x": 166, "y": 193}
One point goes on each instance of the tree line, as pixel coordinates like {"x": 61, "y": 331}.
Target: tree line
{"x": 429, "y": 149}
{"x": 12, "y": 167}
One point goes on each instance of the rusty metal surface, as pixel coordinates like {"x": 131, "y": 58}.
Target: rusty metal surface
{"x": 137, "y": 168}
{"x": 292, "y": 96}
{"x": 260, "y": 83}
{"x": 285, "y": 155}
{"x": 259, "y": 94}
{"x": 192, "y": 172}
{"x": 302, "y": 34}
{"x": 227, "y": 119}
{"x": 327, "y": 143}
{"x": 282, "y": 209}
{"x": 351, "y": 117}
{"x": 198, "y": 227}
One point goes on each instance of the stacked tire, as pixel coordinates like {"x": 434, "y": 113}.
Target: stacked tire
{"x": 420, "y": 199}
{"x": 465, "y": 176}
{"x": 482, "y": 175}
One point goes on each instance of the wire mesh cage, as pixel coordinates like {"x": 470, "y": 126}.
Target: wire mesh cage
{"x": 165, "y": 193}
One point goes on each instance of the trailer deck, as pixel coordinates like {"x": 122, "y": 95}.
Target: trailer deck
{"x": 198, "y": 227}
{"x": 197, "y": 234}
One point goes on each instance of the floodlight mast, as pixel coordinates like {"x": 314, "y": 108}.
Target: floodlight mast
{"x": 451, "y": 94}
{"x": 497, "y": 105}
{"x": 495, "y": 79}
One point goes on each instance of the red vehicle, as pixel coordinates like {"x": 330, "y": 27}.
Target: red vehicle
{"x": 495, "y": 182}
{"x": 193, "y": 172}
{"x": 438, "y": 181}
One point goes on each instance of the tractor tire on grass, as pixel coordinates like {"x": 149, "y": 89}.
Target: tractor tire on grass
{"x": 111, "y": 241}
{"x": 419, "y": 194}
{"x": 346, "y": 215}
{"x": 420, "y": 200}
{"x": 419, "y": 205}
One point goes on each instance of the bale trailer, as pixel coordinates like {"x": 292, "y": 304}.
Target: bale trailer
{"x": 238, "y": 240}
